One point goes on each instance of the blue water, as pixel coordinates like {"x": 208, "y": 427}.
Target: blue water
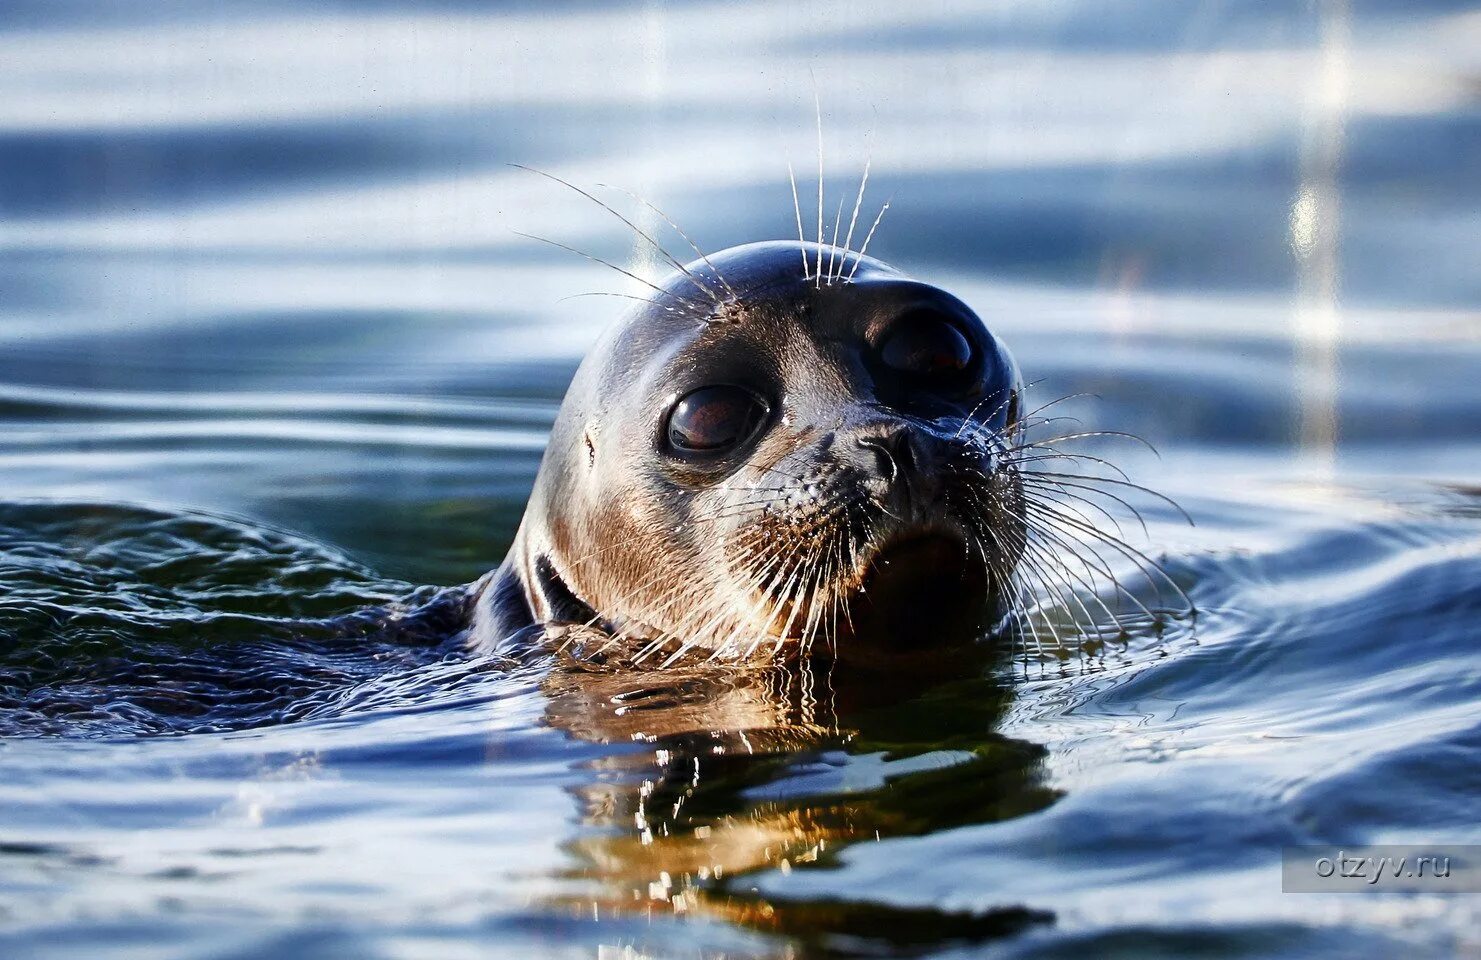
{"x": 272, "y": 352}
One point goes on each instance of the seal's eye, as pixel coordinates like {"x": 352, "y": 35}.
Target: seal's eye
{"x": 925, "y": 345}
{"x": 712, "y": 419}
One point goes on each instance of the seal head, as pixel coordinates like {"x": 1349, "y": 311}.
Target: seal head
{"x": 789, "y": 449}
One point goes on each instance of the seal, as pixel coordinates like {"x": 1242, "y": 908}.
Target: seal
{"x": 788, "y": 450}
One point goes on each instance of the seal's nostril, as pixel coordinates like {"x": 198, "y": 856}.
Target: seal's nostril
{"x": 886, "y": 457}
{"x": 891, "y": 448}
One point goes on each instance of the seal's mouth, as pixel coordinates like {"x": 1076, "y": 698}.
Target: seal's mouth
{"x": 921, "y": 591}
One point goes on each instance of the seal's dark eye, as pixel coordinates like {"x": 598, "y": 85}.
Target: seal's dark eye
{"x": 712, "y": 419}
{"x": 925, "y": 345}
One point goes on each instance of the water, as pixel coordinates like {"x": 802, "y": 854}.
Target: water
{"x": 271, "y": 353}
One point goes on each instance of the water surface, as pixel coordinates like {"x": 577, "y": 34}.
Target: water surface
{"x": 272, "y": 352}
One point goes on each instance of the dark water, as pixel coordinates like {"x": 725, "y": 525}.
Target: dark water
{"x": 271, "y": 353}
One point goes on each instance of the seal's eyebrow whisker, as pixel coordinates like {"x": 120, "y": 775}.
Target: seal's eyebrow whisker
{"x": 818, "y": 105}
{"x": 626, "y": 273}
{"x": 605, "y": 293}
{"x": 864, "y": 247}
{"x": 729, "y": 290}
{"x": 833, "y": 244}
{"x": 858, "y": 202}
{"x": 801, "y": 238}
{"x": 633, "y": 226}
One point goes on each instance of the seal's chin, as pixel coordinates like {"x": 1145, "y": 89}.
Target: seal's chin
{"x": 920, "y": 592}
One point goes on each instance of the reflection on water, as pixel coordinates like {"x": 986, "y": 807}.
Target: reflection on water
{"x": 1316, "y": 227}
{"x": 746, "y": 770}
{"x": 261, "y": 291}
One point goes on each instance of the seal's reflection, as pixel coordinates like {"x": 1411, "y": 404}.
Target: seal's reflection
{"x": 753, "y": 768}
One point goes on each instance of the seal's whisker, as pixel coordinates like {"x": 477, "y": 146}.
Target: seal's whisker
{"x": 981, "y": 534}
{"x": 756, "y": 555}
{"x": 680, "y": 592}
{"x": 779, "y": 586}
{"x": 818, "y": 106}
{"x": 1043, "y": 565}
{"x": 793, "y": 592}
{"x": 819, "y": 613}
{"x": 1092, "y": 478}
{"x": 1057, "y": 488}
{"x": 1093, "y": 563}
{"x": 1049, "y": 442}
{"x": 781, "y": 581}
{"x": 1012, "y": 580}
{"x": 626, "y": 273}
{"x": 790, "y": 603}
{"x": 666, "y": 599}
{"x": 1039, "y": 550}
{"x": 1059, "y": 587}
{"x": 848, "y": 240}
{"x": 768, "y": 569}
{"x": 984, "y": 429}
{"x": 814, "y": 608}
{"x": 1021, "y": 614}
{"x": 797, "y": 208}
{"x": 1150, "y": 567}
{"x": 1036, "y": 608}
{"x": 1063, "y": 455}
{"x": 706, "y": 621}
{"x": 603, "y": 293}
{"x": 729, "y": 290}
{"x": 1050, "y": 567}
{"x": 981, "y": 427}
{"x": 734, "y": 509}
{"x": 833, "y": 244}
{"x": 1058, "y": 400}
{"x": 821, "y": 600}
{"x": 834, "y": 559}
{"x": 680, "y": 633}
{"x": 740, "y": 508}
{"x": 662, "y": 251}
{"x": 864, "y": 247}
